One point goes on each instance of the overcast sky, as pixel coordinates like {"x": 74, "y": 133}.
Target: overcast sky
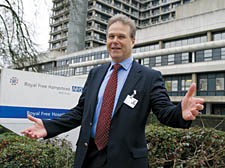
{"x": 37, "y": 13}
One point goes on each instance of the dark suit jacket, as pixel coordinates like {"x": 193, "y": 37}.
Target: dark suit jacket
{"x": 127, "y": 144}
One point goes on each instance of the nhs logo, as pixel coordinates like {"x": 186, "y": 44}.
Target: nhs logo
{"x": 77, "y": 89}
{"x": 14, "y": 81}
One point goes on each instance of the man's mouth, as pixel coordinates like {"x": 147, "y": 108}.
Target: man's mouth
{"x": 115, "y": 48}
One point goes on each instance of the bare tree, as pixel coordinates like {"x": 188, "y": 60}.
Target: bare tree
{"x": 16, "y": 45}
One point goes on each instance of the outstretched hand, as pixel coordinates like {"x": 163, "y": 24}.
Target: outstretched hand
{"x": 37, "y": 130}
{"x": 191, "y": 105}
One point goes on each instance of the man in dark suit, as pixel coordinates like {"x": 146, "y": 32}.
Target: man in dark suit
{"x": 114, "y": 107}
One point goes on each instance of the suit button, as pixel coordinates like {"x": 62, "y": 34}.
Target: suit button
{"x": 90, "y": 123}
{"x": 86, "y": 144}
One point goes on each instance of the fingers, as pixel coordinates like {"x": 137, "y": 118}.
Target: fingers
{"x": 31, "y": 132}
{"x": 32, "y": 118}
{"x": 193, "y": 113}
{"x": 199, "y": 100}
{"x": 30, "y": 135}
{"x": 189, "y": 116}
{"x": 199, "y": 107}
{"x": 191, "y": 90}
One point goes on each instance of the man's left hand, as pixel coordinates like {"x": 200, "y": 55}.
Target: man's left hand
{"x": 191, "y": 105}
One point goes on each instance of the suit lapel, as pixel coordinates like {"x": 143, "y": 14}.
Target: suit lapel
{"x": 133, "y": 77}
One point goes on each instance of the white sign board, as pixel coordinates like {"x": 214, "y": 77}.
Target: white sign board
{"x": 40, "y": 95}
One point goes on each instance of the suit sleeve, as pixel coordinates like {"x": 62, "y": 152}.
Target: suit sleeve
{"x": 68, "y": 121}
{"x": 166, "y": 112}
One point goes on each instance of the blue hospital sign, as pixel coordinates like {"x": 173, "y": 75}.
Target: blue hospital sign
{"x": 40, "y": 95}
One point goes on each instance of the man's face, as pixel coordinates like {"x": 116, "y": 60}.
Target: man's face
{"x": 119, "y": 42}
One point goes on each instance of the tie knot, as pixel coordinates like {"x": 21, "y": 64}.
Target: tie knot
{"x": 116, "y": 66}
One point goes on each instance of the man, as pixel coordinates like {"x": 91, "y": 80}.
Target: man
{"x": 113, "y": 117}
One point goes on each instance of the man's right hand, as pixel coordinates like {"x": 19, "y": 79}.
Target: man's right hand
{"x": 37, "y": 130}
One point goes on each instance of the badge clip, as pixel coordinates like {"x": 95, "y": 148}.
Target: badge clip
{"x": 132, "y": 96}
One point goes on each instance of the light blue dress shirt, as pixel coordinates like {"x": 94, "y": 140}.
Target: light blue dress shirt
{"x": 122, "y": 76}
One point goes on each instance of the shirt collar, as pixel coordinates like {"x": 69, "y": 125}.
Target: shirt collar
{"x": 125, "y": 63}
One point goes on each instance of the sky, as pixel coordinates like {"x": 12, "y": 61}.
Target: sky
{"x": 37, "y": 15}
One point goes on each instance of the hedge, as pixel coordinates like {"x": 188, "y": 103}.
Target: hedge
{"x": 21, "y": 152}
{"x": 168, "y": 147}
{"x": 191, "y": 148}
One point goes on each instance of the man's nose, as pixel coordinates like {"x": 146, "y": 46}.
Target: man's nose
{"x": 115, "y": 39}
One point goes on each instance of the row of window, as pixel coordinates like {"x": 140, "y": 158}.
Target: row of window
{"x": 185, "y": 41}
{"x": 211, "y": 84}
{"x": 210, "y": 55}
{"x": 83, "y": 58}
{"x": 208, "y": 84}
{"x": 183, "y": 58}
{"x": 145, "y": 48}
{"x": 204, "y": 55}
{"x": 177, "y": 85}
{"x": 171, "y": 59}
{"x": 180, "y": 58}
{"x": 70, "y": 71}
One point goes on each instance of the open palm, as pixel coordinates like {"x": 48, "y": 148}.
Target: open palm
{"x": 37, "y": 130}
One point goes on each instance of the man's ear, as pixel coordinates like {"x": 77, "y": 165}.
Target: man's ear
{"x": 133, "y": 42}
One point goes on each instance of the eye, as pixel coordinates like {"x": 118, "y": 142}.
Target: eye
{"x": 111, "y": 36}
{"x": 121, "y": 37}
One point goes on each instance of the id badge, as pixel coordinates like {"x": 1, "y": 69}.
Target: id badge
{"x": 130, "y": 101}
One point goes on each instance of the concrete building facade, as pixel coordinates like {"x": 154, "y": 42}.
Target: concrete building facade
{"x": 188, "y": 49}
{"x": 68, "y": 23}
{"x": 81, "y": 24}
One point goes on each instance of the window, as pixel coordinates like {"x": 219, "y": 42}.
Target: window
{"x": 186, "y": 84}
{"x": 174, "y": 85}
{"x": 190, "y": 41}
{"x": 164, "y": 60}
{"x": 211, "y": 84}
{"x": 207, "y": 55}
{"x": 168, "y": 85}
{"x": 155, "y": 11}
{"x": 219, "y": 83}
{"x": 178, "y": 58}
{"x": 97, "y": 36}
{"x": 203, "y": 39}
{"x": 178, "y": 43}
{"x": 165, "y": 17}
{"x": 217, "y": 36}
{"x": 216, "y": 54}
{"x": 152, "y": 61}
{"x": 203, "y": 85}
{"x": 165, "y": 8}
{"x": 155, "y": 20}
{"x": 158, "y": 61}
{"x": 186, "y": 1}
{"x": 222, "y": 53}
{"x": 197, "y": 40}
{"x": 170, "y": 59}
{"x": 186, "y": 58}
{"x": 176, "y": 4}
{"x": 155, "y": 2}
{"x": 146, "y": 61}
{"x": 199, "y": 56}
{"x": 147, "y": 48}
